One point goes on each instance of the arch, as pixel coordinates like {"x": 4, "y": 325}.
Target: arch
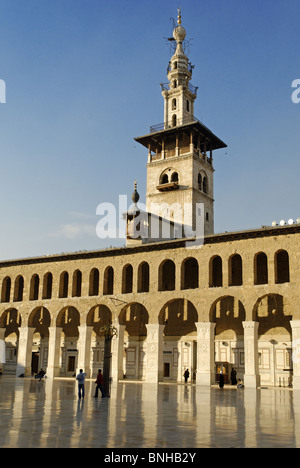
{"x": 175, "y": 177}
{"x": 261, "y": 268}
{"x": 69, "y": 320}
{"x": 274, "y": 315}
{"x": 169, "y": 175}
{"x": 63, "y": 284}
{"x": 282, "y": 267}
{"x": 77, "y": 283}
{"x": 34, "y": 288}
{"x": 135, "y": 317}
{"x": 235, "y": 270}
{"x": 189, "y": 274}
{"x": 166, "y": 276}
{"x": 205, "y": 185}
{"x": 11, "y": 320}
{"x": 174, "y": 120}
{"x": 228, "y": 313}
{"x": 94, "y": 282}
{"x": 40, "y": 319}
{"x": 174, "y": 104}
{"x": 19, "y": 289}
{"x": 127, "y": 279}
{"x": 179, "y": 317}
{"x": 47, "y": 286}
{"x": 6, "y": 289}
{"x": 108, "y": 281}
{"x": 200, "y": 181}
{"x": 99, "y": 316}
{"x": 143, "y": 277}
{"x": 165, "y": 179}
{"x": 216, "y": 272}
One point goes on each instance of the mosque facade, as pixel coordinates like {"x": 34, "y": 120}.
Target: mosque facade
{"x": 229, "y": 302}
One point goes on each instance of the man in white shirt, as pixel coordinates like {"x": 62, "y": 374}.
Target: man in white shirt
{"x": 81, "y": 380}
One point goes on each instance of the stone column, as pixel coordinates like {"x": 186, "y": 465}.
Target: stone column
{"x": 177, "y": 146}
{"x": 54, "y": 352}
{"x": 25, "y": 351}
{"x": 154, "y": 356}
{"x": 252, "y": 377}
{"x": 84, "y": 349}
{"x": 295, "y": 324}
{"x": 2, "y": 347}
{"x": 205, "y": 353}
{"x": 163, "y": 149}
{"x": 118, "y": 353}
{"x": 191, "y": 143}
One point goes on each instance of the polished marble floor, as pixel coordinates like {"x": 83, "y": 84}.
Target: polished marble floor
{"x": 48, "y": 414}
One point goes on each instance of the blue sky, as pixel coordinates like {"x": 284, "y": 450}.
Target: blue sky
{"x": 82, "y": 80}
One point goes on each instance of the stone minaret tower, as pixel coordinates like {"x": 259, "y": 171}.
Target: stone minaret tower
{"x": 180, "y": 150}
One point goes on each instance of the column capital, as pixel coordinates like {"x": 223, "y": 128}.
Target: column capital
{"x": 251, "y": 325}
{"x": 295, "y": 324}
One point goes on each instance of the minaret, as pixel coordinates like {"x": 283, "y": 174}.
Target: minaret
{"x": 179, "y": 95}
{"x": 180, "y": 150}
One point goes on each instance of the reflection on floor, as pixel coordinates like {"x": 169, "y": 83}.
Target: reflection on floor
{"x": 48, "y": 414}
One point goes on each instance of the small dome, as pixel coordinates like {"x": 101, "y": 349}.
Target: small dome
{"x": 179, "y": 33}
{"x": 135, "y": 196}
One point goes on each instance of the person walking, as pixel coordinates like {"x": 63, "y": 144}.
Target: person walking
{"x": 81, "y": 381}
{"x": 186, "y": 375}
{"x": 99, "y": 383}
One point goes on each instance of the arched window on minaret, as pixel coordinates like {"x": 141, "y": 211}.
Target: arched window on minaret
{"x": 174, "y": 104}
{"x": 205, "y": 185}
{"x": 200, "y": 181}
{"x": 174, "y": 120}
{"x": 165, "y": 179}
{"x": 174, "y": 177}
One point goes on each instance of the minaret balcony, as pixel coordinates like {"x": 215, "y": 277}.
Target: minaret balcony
{"x": 167, "y": 187}
{"x": 168, "y": 87}
{"x": 170, "y": 124}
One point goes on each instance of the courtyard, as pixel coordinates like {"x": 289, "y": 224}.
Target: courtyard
{"x": 48, "y": 414}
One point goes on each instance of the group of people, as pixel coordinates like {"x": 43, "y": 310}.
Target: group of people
{"x": 81, "y": 384}
{"x": 233, "y": 379}
{"x": 99, "y": 382}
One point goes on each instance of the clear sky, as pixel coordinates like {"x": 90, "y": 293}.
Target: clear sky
{"x": 82, "y": 80}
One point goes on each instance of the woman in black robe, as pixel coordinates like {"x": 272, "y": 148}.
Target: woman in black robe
{"x": 221, "y": 381}
{"x": 233, "y": 377}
